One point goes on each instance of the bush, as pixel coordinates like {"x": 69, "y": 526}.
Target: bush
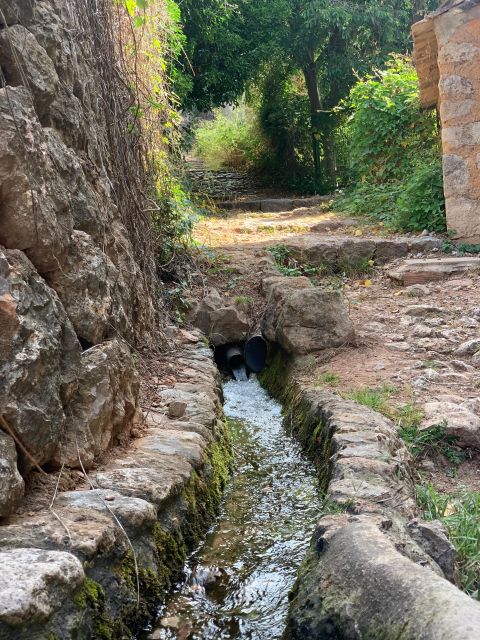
{"x": 415, "y": 204}
{"x": 231, "y": 140}
{"x": 388, "y": 131}
{"x": 395, "y": 159}
{"x": 421, "y": 203}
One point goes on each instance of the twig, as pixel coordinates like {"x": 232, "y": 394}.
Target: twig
{"x": 54, "y": 513}
{"x": 117, "y": 521}
{"x": 6, "y": 427}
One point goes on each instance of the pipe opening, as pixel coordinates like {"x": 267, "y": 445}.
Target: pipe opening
{"x": 240, "y": 359}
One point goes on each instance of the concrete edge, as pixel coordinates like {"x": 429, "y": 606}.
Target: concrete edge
{"x": 374, "y": 569}
{"x": 155, "y": 499}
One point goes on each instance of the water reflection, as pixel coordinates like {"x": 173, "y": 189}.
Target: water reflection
{"x": 236, "y": 584}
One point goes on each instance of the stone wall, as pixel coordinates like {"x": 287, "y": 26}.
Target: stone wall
{"x": 447, "y": 45}
{"x": 74, "y": 296}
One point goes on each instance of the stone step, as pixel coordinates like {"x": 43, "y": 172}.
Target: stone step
{"x": 316, "y": 249}
{"x": 273, "y": 205}
{"x": 431, "y": 270}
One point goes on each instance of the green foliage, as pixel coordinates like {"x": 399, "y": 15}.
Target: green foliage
{"x": 329, "y": 378}
{"x": 421, "y": 203}
{"x": 288, "y": 265}
{"x": 424, "y": 442}
{"x": 230, "y": 140}
{"x": 460, "y": 513}
{"x": 377, "y": 399}
{"x": 302, "y": 58}
{"x": 387, "y": 128}
{"x": 394, "y": 149}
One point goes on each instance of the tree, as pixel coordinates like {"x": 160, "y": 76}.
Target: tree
{"x": 328, "y": 41}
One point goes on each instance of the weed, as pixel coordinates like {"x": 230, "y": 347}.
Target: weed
{"x": 376, "y": 399}
{"x": 434, "y": 439}
{"x": 330, "y": 378}
{"x": 288, "y": 265}
{"x": 409, "y": 415}
{"x": 243, "y": 300}
{"x": 460, "y": 513}
{"x": 431, "y": 364}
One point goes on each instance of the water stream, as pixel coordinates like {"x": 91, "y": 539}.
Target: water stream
{"x": 237, "y": 582}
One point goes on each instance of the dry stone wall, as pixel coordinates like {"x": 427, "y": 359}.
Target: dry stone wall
{"x": 447, "y": 57}
{"x": 74, "y": 297}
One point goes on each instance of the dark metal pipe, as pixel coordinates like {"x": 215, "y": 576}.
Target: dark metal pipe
{"x": 236, "y": 363}
{"x": 255, "y": 354}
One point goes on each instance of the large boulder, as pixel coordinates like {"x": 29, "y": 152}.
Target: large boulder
{"x": 11, "y": 482}
{"x": 92, "y": 291}
{"x": 302, "y": 319}
{"x": 34, "y": 203}
{"x": 39, "y": 358}
{"x": 102, "y": 411}
{"x": 221, "y": 322}
{"x": 458, "y": 421}
{"x": 35, "y": 585}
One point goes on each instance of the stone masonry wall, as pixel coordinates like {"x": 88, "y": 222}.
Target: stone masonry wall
{"x": 448, "y": 55}
{"x": 73, "y": 297}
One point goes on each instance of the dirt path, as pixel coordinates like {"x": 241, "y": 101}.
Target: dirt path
{"x": 411, "y": 361}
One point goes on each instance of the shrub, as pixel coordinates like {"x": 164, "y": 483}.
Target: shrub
{"x": 395, "y": 159}
{"x": 230, "y": 140}
{"x": 388, "y": 131}
{"x": 460, "y": 513}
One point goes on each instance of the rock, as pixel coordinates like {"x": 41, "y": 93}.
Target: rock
{"x": 468, "y": 348}
{"x": 476, "y": 359}
{"x": 417, "y": 290}
{"x": 102, "y": 411}
{"x": 27, "y": 63}
{"x": 398, "y": 346}
{"x": 354, "y": 580}
{"x": 307, "y": 319}
{"x": 39, "y": 368}
{"x": 219, "y": 322}
{"x": 459, "y": 365}
{"x": 431, "y": 270}
{"x": 36, "y": 215}
{"x": 331, "y": 224}
{"x": 421, "y": 331}
{"x": 93, "y": 292}
{"x": 35, "y": 583}
{"x": 176, "y": 409}
{"x": 11, "y": 482}
{"x": 171, "y": 622}
{"x": 457, "y": 420}
{"x": 423, "y": 310}
{"x": 14, "y": 13}
{"x": 432, "y": 538}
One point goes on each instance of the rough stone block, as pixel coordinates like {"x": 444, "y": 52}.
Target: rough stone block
{"x": 39, "y": 368}
{"x": 306, "y": 320}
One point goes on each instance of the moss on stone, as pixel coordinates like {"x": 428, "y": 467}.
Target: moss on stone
{"x": 198, "y": 505}
{"x": 92, "y": 598}
{"x": 301, "y": 418}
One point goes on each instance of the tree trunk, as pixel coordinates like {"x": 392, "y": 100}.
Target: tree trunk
{"x": 310, "y": 74}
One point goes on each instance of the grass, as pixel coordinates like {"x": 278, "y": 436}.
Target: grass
{"x": 230, "y": 140}
{"x": 460, "y": 514}
{"x": 290, "y": 266}
{"x": 329, "y": 378}
{"x": 431, "y": 441}
{"x": 377, "y": 399}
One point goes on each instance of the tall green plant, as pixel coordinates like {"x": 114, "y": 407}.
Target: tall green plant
{"x": 394, "y": 148}
{"x": 387, "y": 129}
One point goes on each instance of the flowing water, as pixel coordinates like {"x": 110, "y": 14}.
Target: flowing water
{"x": 237, "y": 582}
